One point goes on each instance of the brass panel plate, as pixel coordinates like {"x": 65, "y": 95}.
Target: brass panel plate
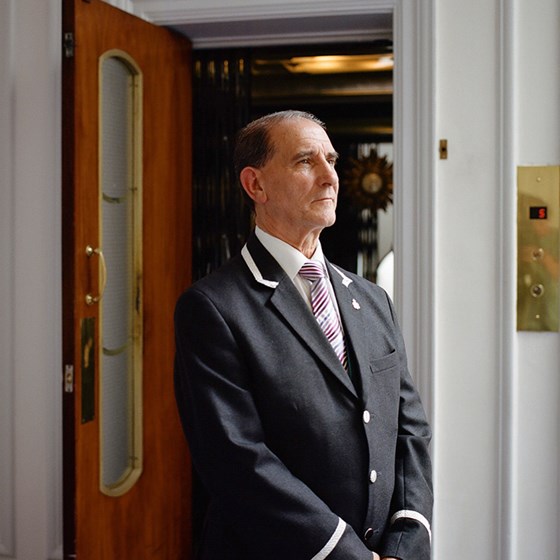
{"x": 88, "y": 369}
{"x": 538, "y": 255}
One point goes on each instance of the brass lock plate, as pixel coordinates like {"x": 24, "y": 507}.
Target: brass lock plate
{"x": 88, "y": 369}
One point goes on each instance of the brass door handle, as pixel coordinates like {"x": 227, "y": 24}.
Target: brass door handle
{"x": 90, "y": 251}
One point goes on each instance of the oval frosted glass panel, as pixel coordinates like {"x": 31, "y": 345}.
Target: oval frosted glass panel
{"x": 120, "y": 364}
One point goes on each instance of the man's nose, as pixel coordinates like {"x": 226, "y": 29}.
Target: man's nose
{"x": 329, "y": 175}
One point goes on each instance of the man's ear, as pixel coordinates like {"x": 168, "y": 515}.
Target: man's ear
{"x": 250, "y": 181}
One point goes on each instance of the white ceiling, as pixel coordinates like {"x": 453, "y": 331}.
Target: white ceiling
{"x": 283, "y": 23}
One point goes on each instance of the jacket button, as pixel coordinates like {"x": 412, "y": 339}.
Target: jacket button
{"x": 373, "y": 476}
{"x": 368, "y": 534}
{"x": 366, "y": 416}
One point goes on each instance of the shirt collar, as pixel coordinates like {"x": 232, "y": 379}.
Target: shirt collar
{"x": 288, "y": 257}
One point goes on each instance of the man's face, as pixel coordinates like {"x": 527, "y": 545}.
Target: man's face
{"x": 299, "y": 182}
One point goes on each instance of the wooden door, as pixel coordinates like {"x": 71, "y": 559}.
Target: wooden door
{"x": 141, "y": 509}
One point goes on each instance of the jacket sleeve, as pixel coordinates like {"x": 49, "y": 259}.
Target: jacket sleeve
{"x": 408, "y": 535}
{"x": 271, "y": 513}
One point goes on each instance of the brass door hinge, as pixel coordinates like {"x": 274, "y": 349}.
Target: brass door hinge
{"x": 68, "y": 378}
{"x": 69, "y": 45}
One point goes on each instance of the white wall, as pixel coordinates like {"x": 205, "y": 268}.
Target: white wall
{"x": 536, "y": 399}
{"x": 6, "y": 284}
{"x": 467, "y": 311}
{"x": 497, "y": 392}
{"x": 30, "y": 292}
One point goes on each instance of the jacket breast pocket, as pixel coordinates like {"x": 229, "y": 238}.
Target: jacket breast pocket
{"x": 384, "y": 363}
{"x": 384, "y": 391}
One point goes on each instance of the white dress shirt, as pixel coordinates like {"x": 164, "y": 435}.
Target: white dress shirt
{"x": 291, "y": 260}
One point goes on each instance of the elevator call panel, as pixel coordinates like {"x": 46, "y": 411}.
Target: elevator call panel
{"x": 538, "y": 243}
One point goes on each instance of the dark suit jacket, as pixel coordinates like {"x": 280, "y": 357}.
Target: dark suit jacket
{"x": 301, "y": 461}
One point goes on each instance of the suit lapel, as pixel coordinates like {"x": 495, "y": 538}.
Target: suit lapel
{"x": 289, "y": 304}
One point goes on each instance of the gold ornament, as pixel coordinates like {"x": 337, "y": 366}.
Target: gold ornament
{"x": 369, "y": 182}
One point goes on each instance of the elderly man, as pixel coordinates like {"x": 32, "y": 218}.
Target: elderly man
{"x": 292, "y": 382}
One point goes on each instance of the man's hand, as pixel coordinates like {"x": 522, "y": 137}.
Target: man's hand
{"x": 377, "y": 557}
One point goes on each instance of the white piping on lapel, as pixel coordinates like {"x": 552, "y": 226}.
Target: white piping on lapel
{"x": 255, "y": 269}
{"x": 345, "y": 280}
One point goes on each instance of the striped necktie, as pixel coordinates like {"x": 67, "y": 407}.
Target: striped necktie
{"x": 323, "y": 308}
